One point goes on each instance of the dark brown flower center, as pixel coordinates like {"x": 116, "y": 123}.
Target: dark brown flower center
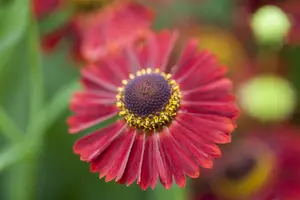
{"x": 147, "y": 94}
{"x": 149, "y": 100}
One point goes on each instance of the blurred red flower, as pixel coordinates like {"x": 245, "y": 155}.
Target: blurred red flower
{"x": 273, "y": 172}
{"x": 99, "y": 32}
{"x": 112, "y": 29}
{"x": 171, "y": 115}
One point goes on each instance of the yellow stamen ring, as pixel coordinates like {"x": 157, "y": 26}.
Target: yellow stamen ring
{"x": 155, "y": 121}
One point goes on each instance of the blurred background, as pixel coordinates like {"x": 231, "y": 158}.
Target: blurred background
{"x": 40, "y": 59}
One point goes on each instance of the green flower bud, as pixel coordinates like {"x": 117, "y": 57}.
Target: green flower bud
{"x": 270, "y": 25}
{"x": 267, "y": 98}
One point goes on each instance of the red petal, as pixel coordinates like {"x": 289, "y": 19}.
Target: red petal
{"x": 166, "y": 42}
{"x": 198, "y": 69}
{"x": 172, "y": 160}
{"x": 187, "y": 58}
{"x": 146, "y": 175}
{"x": 212, "y": 91}
{"x": 80, "y": 123}
{"x": 214, "y": 121}
{"x": 93, "y": 80}
{"x": 89, "y": 111}
{"x": 92, "y": 145}
{"x": 213, "y": 98}
{"x": 104, "y": 161}
{"x": 159, "y": 160}
{"x": 133, "y": 62}
{"x": 153, "y": 162}
{"x": 188, "y": 165}
{"x": 156, "y": 53}
{"x": 135, "y": 160}
{"x": 218, "y": 108}
{"x": 102, "y": 70}
{"x": 166, "y": 177}
{"x": 179, "y": 159}
{"x": 92, "y": 96}
{"x": 209, "y": 127}
{"x": 188, "y": 55}
{"x": 90, "y": 103}
{"x": 198, "y": 63}
{"x": 122, "y": 158}
{"x": 212, "y": 150}
{"x": 145, "y": 56}
{"x": 200, "y": 149}
{"x": 202, "y": 73}
{"x": 109, "y": 163}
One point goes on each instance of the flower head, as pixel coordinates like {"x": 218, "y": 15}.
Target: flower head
{"x": 99, "y": 28}
{"x": 170, "y": 118}
{"x": 243, "y": 174}
{"x": 267, "y": 172}
{"x": 106, "y": 32}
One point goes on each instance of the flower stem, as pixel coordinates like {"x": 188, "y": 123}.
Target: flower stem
{"x": 24, "y": 175}
{"x": 23, "y": 182}
{"x": 8, "y": 128}
{"x": 35, "y": 70}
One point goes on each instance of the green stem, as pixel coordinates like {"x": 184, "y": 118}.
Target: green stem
{"x": 35, "y": 69}
{"x": 24, "y": 176}
{"x": 24, "y": 179}
{"x": 9, "y": 128}
{"x": 37, "y": 129}
{"x": 52, "y": 110}
{"x": 23, "y": 148}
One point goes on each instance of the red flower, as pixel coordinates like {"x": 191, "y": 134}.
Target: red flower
{"x": 169, "y": 120}
{"x": 269, "y": 171}
{"x": 113, "y": 28}
{"x": 103, "y": 31}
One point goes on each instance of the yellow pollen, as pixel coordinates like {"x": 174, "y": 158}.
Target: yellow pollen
{"x": 154, "y": 122}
